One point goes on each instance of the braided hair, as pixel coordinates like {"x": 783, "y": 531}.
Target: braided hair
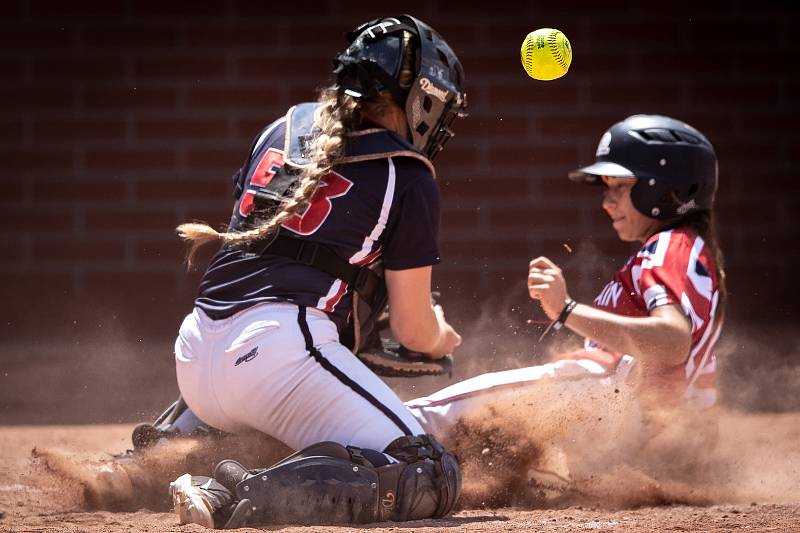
{"x": 338, "y": 114}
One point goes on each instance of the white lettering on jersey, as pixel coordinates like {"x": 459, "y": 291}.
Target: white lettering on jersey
{"x": 609, "y": 295}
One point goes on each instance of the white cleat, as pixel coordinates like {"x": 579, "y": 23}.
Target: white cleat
{"x": 192, "y": 502}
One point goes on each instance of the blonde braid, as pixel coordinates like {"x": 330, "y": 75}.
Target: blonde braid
{"x": 336, "y": 116}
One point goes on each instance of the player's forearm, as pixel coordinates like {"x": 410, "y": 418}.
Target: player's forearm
{"x": 649, "y": 339}
{"x": 419, "y": 332}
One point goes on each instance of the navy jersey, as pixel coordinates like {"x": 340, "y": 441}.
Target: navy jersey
{"x": 385, "y": 208}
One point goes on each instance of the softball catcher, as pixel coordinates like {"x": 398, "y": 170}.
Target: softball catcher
{"x": 336, "y": 214}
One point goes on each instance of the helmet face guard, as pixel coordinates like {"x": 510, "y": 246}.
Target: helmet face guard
{"x": 675, "y": 165}
{"x": 372, "y": 64}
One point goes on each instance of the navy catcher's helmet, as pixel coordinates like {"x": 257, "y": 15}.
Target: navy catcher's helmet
{"x": 675, "y": 165}
{"x": 372, "y": 64}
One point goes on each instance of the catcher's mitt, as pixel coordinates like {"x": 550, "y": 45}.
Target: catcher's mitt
{"x": 390, "y": 359}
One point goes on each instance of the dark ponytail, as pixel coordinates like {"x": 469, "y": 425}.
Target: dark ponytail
{"x": 703, "y": 223}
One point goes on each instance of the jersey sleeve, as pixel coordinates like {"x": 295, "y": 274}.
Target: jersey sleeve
{"x": 412, "y": 238}
{"x": 672, "y": 272}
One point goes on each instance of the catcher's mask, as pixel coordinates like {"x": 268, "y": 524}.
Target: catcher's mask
{"x": 675, "y": 165}
{"x": 372, "y": 64}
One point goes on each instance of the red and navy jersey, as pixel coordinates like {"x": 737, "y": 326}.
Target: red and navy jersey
{"x": 673, "y": 267}
{"x": 385, "y": 208}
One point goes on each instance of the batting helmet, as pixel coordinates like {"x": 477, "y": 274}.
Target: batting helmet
{"x": 372, "y": 64}
{"x": 675, "y": 165}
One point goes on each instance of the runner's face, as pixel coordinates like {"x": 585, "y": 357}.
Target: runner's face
{"x": 626, "y": 220}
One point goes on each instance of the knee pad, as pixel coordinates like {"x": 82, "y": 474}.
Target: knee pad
{"x": 428, "y": 478}
{"x": 328, "y": 483}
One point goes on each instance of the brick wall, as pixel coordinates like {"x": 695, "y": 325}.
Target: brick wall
{"x": 119, "y": 120}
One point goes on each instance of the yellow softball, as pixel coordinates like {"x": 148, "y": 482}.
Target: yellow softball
{"x": 546, "y": 54}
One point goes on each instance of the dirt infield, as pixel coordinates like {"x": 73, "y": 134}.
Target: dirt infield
{"x": 51, "y": 480}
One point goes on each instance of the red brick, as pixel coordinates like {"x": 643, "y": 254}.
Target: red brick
{"x": 21, "y": 220}
{"x": 487, "y": 64}
{"x": 766, "y": 122}
{"x": 214, "y": 217}
{"x": 533, "y": 155}
{"x": 76, "y": 69}
{"x": 247, "y": 98}
{"x": 24, "y": 284}
{"x": 49, "y": 129}
{"x": 499, "y": 186}
{"x": 10, "y": 251}
{"x": 11, "y": 129}
{"x": 129, "y": 98}
{"x": 181, "y": 128}
{"x": 722, "y": 31}
{"x": 463, "y": 219}
{"x": 507, "y": 217}
{"x": 161, "y": 250}
{"x": 685, "y": 61}
{"x": 192, "y": 68}
{"x": 10, "y": 68}
{"x": 643, "y": 94}
{"x": 78, "y": 190}
{"x": 128, "y": 160}
{"x": 456, "y": 32}
{"x": 274, "y": 10}
{"x": 315, "y": 35}
{"x": 481, "y": 126}
{"x": 266, "y": 67}
{"x": 759, "y": 152}
{"x": 726, "y": 93}
{"x": 304, "y": 93}
{"x": 221, "y": 36}
{"x": 56, "y": 8}
{"x": 458, "y": 153}
{"x": 622, "y": 34}
{"x": 77, "y": 251}
{"x": 248, "y": 127}
{"x": 128, "y": 38}
{"x": 28, "y": 37}
{"x": 142, "y": 286}
{"x": 128, "y": 219}
{"x": 25, "y": 161}
{"x": 209, "y": 159}
{"x": 554, "y": 93}
{"x": 178, "y": 10}
{"x": 478, "y": 248}
{"x": 11, "y": 190}
{"x": 184, "y": 190}
{"x": 583, "y": 125}
{"x": 757, "y": 184}
{"x": 35, "y": 98}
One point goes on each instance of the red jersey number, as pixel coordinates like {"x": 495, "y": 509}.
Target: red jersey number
{"x": 265, "y": 171}
{"x": 332, "y": 185}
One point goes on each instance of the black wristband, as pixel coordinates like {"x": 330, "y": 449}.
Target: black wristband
{"x": 569, "y": 306}
{"x": 558, "y": 323}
